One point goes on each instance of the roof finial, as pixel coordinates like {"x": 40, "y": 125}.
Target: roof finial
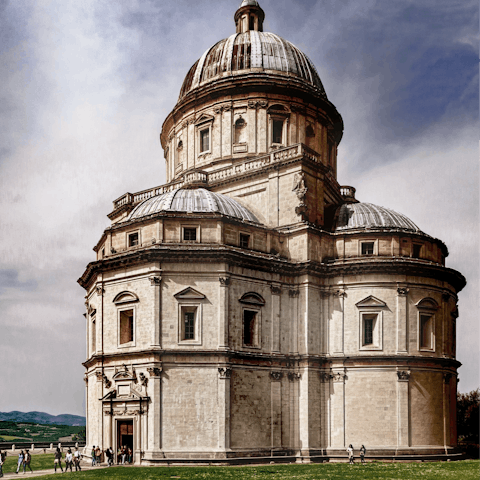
{"x": 249, "y": 16}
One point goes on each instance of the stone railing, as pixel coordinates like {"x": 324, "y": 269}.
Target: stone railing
{"x": 204, "y": 178}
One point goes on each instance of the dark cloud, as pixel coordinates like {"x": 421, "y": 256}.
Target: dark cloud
{"x": 10, "y": 279}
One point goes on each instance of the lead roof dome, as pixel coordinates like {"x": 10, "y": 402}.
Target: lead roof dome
{"x": 353, "y": 216}
{"x": 252, "y": 51}
{"x": 198, "y": 200}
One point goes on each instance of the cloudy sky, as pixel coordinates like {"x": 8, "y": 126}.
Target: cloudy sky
{"x": 86, "y": 85}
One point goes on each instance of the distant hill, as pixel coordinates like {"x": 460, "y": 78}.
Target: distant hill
{"x": 44, "y": 418}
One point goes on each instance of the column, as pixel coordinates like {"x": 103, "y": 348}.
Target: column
{"x": 337, "y": 406}
{"x": 154, "y": 419}
{"x": 403, "y": 413}
{"x": 293, "y": 378}
{"x": 338, "y": 324}
{"x": 224, "y": 375}
{"x": 275, "y": 320}
{"x": 156, "y": 283}
{"x": 293, "y": 294}
{"x": 276, "y": 410}
{"x": 446, "y": 410}
{"x": 223, "y": 318}
{"x": 402, "y": 320}
{"x": 304, "y": 411}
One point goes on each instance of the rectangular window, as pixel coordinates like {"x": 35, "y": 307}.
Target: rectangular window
{"x": 277, "y": 131}
{"x": 249, "y": 327}
{"x": 367, "y": 248}
{"x": 126, "y": 326}
{"x": 368, "y": 324}
{"x": 416, "y": 250}
{"x": 244, "y": 240}
{"x": 426, "y": 331}
{"x": 190, "y": 234}
{"x": 204, "y": 140}
{"x": 188, "y": 324}
{"x": 133, "y": 239}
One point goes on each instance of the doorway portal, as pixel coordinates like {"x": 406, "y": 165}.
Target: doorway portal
{"x": 125, "y": 435}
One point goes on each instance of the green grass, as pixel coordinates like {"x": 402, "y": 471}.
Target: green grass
{"x": 11, "y": 438}
{"x": 34, "y": 432}
{"x": 463, "y": 470}
{"x": 42, "y": 461}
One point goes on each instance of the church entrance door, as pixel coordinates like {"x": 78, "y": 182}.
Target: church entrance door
{"x": 124, "y": 435}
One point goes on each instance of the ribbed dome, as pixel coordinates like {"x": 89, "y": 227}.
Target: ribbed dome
{"x": 251, "y": 52}
{"x": 196, "y": 200}
{"x": 351, "y": 216}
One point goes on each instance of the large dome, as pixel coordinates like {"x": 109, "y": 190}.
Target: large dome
{"x": 196, "y": 200}
{"x": 353, "y": 216}
{"x": 252, "y": 52}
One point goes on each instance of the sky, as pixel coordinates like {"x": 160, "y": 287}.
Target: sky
{"x": 87, "y": 84}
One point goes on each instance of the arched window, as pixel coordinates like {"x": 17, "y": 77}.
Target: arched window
{"x": 278, "y": 116}
{"x": 310, "y": 136}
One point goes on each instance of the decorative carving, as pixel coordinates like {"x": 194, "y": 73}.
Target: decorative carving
{"x": 100, "y": 290}
{"x": 217, "y": 110}
{"x": 298, "y": 108}
{"x": 402, "y": 290}
{"x": 292, "y": 376}
{"x": 143, "y": 379}
{"x": 403, "y": 375}
{"x": 256, "y": 104}
{"x": 155, "y": 281}
{"x": 338, "y": 377}
{"x": 99, "y": 375}
{"x": 224, "y": 281}
{"x": 300, "y": 189}
{"x": 276, "y": 376}
{"x": 455, "y": 312}
{"x": 293, "y": 293}
{"x": 340, "y": 293}
{"x": 225, "y": 372}
{"x": 85, "y": 379}
{"x": 153, "y": 240}
{"x": 275, "y": 289}
{"x": 154, "y": 371}
{"x": 106, "y": 381}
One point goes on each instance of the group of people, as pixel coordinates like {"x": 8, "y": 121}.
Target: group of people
{"x": 70, "y": 460}
{"x": 351, "y": 454}
{"x": 124, "y": 455}
{"x": 24, "y": 459}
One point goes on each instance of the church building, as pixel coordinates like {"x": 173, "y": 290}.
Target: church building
{"x": 252, "y": 306}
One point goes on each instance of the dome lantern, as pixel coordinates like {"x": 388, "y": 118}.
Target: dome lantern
{"x": 249, "y": 16}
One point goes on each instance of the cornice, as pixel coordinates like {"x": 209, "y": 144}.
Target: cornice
{"x": 186, "y": 253}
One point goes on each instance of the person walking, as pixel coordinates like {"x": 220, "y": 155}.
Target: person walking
{"x": 76, "y": 459}
{"x": 2, "y": 460}
{"x": 27, "y": 458}
{"x": 350, "y": 454}
{"x": 58, "y": 460}
{"x": 363, "y": 451}
{"x": 98, "y": 454}
{"x": 68, "y": 460}
{"x": 93, "y": 456}
{"x": 21, "y": 456}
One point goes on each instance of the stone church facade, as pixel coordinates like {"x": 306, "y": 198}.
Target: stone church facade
{"x": 252, "y": 306}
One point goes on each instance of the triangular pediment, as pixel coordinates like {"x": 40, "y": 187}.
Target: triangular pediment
{"x": 204, "y": 119}
{"x": 109, "y": 395}
{"x": 125, "y": 297}
{"x": 189, "y": 294}
{"x": 371, "y": 301}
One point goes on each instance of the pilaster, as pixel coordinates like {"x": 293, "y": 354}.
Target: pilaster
{"x": 154, "y": 417}
{"x": 223, "y": 395}
{"x": 276, "y": 291}
{"x": 402, "y": 320}
{"x": 223, "y": 311}
{"x": 156, "y": 315}
{"x": 403, "y": 409}
{"x": 337, "y": 405}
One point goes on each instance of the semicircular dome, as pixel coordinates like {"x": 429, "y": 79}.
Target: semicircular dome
{"x": 352, "y": 216}
{"x": 198, "y": 200}
{"x": 251, "y": 52}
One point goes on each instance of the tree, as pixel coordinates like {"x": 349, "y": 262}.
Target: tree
{"x": 468, "y": 416}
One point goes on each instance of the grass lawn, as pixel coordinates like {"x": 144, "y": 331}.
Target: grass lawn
{"x": 41, "y": 461}
{"x": 463, "y": 470}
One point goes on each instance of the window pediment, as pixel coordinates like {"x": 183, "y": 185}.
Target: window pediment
{"x": 189, "y": 294}
{"x": 204, "y": 119}
{"x": 125, "y": 297}
{"x": 370, "y": 302}
{"x": 427, "y": 304}
{"x": 252, "y": 298}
